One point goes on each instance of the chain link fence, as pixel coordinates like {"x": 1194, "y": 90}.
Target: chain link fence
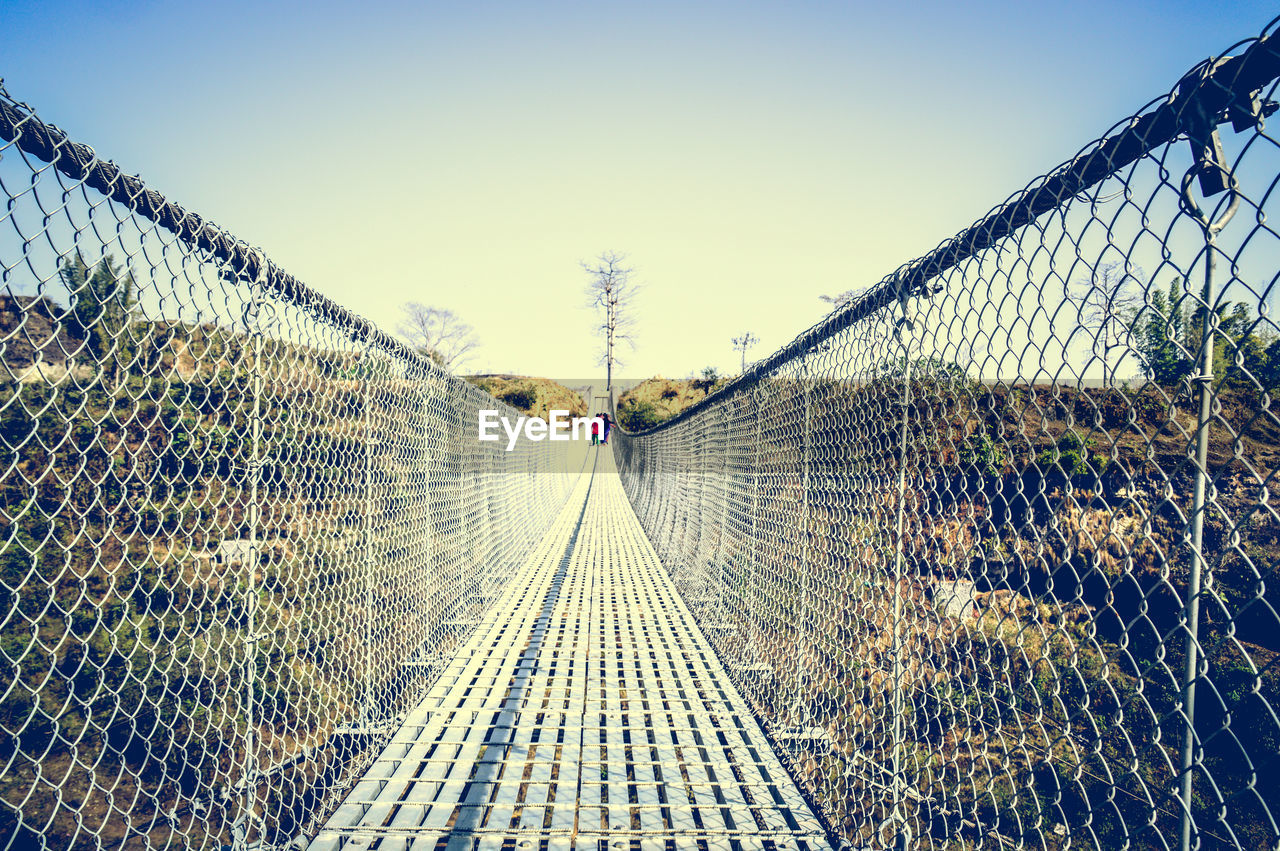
{"x": 241, "y": 530}
{"x": 992, "y": 550}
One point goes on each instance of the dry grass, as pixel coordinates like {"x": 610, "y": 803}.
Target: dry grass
{"x": 536, "y": 397}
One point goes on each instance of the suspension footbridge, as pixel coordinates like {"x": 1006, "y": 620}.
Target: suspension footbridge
{"x": 987, "y": 558}
{"x": 585, "y": 708}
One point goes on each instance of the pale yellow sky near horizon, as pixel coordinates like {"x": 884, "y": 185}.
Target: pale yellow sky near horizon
{"x": 747, "y": 157}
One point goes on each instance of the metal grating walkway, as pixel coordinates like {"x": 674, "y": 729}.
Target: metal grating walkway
{"x": 586, "y": 711}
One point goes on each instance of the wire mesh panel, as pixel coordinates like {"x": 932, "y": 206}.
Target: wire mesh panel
{"x": 241, "y": 530}
{"x": 992, "y": 550}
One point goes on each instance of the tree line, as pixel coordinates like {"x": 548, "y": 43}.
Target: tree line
{"x": 1165, "y": 327}
{"x": 1168, "y": 332}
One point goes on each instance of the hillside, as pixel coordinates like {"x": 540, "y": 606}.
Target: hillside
{"x": 656, "y": 400}
{"x": 1034, "y": 557}
{"x": 533, "y": 396}
{"x": 132, "y": 535}
{"x": 35, "y": 328}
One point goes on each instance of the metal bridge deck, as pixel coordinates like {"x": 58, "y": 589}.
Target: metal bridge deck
{"x": 585, "y": 711}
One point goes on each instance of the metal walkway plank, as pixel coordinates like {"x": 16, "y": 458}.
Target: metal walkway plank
{"x": 585, "y": 711}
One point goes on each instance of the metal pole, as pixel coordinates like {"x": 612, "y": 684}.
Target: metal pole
{"x": 1190, "y": 670}
{"x": 752, "y": 599}
{"x": 243, "y": 824}
{"x": 366, "y": 702}
{"x": 458, "y": 592}
{"x": 701, "y": 478}
{"x": 468, "y": 567}
{"x": 429, "y": 532}
{"x": 724, "y": 512}
{"x": 1191, "y": 608}
{"x": 901, "y": 327}
{"x": 803, "y": 634}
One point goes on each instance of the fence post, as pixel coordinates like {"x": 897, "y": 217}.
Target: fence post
{"x": 366, "y": 701}
{"x": 468, "y": 503}
{"x": 458, "y": 492}
{"x": 803, "y": 656}
{"x": 426, "y": 496}
{"x": 703, "y": 480}
{"x": 243, "y": 824}
{"x": 902, "y": 327}
{"x": 1191, "y": 607}
{"x": 756, "y": 595}
{"x": 721, "y": 549}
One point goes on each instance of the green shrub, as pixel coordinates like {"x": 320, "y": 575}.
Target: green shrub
{"x": 981, "y": 454}
{"x": 1070, "y": 442}
{"x": 523, "y": 398}
{"x": 707, "y": 383}
{"x": 639, "y": 416}
{"x": 1072, "y": 456}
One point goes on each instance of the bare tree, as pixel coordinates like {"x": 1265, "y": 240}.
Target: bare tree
{"x": 839, "y": 299}
{"x": 438, "y": 333}
{"x": 612, "y": 291}
{"x": 741, "y": 344}
{"x": 1107, "y": 303}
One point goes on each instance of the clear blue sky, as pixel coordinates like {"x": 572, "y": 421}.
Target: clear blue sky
{"x": 748, "y": 156}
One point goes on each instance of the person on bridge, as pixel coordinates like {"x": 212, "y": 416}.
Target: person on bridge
{"x": 595, "y": 430}
{"x": 608, "y": 426}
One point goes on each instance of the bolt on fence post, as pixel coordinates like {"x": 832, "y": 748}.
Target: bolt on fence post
{"x": 243, "y": 824}
{"x": 902, "y": 326}
{"x": 1194, "y": 662}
